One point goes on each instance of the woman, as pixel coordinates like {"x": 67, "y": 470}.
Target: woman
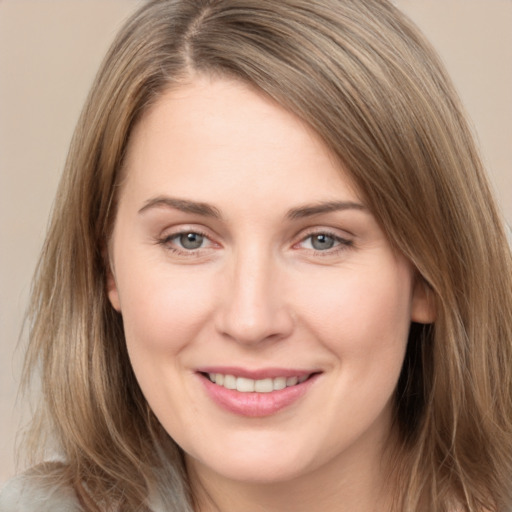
{"x": 275, "y": 277}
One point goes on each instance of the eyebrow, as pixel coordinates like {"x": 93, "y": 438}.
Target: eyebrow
{"x": 183, "y": 205}
{"x": 207, "y": 210}
{"x": 320, "y": 208}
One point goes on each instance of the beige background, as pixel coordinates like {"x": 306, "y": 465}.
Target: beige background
{"x": 49, "y": 52}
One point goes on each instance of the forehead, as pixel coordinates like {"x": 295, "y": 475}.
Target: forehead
{"x": 214, "y": 131}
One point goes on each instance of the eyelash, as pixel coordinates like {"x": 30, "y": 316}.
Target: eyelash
{"x": 167, "y": 242}
{"x": 342, "y": 243}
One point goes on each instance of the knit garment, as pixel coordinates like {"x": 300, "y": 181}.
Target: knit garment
{"x": 32, "y": 494}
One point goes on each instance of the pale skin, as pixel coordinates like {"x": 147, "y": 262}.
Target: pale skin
{"x": 240, "y": 242}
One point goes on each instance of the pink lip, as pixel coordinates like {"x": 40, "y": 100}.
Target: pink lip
{"x": 256, "y": 405}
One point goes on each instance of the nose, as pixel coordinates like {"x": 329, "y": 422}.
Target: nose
{"x": 253, "y": 307}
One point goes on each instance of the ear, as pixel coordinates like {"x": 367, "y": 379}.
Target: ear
{"x": 423, "y": 308}
{"x": 111, "y": 285}
{"x": 112, "y": 292}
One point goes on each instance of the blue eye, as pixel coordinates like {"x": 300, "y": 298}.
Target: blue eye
{"x": 322, "y": 242}
{"x": 325, "y": 242}
{"x": 189, "y": 241}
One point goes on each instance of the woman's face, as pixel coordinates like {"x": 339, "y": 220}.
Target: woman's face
{"x": 242, "y": 254}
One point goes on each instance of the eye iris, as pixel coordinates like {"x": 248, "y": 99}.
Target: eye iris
{"x": 191, "y": 240}
{"x": 322, "y": 242}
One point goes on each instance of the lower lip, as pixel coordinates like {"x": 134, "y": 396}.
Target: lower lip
{"x": 256, "y": 405}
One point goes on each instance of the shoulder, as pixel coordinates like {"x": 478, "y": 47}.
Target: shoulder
{"x": 37, "y": 491}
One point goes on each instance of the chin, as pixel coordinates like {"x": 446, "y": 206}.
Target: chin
{"x": 257, "y": 466}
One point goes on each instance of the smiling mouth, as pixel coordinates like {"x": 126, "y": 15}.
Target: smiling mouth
{"x": 246, "y": 385}
{"x": 256, "y": 393}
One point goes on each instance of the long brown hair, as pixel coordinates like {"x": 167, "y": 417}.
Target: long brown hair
{"x": 361, "y": 75}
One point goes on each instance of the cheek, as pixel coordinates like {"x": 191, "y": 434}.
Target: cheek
{"x": 163, "y": 313}
{"x": 364, "y": 324}
{"x": 162, "y": 310}
{"x": 364, "y": 317}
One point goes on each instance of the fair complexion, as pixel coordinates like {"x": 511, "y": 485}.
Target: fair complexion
{"x": 241, "y": 249}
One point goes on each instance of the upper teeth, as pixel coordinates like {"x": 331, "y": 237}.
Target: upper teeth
{"x": 245, "y": 385}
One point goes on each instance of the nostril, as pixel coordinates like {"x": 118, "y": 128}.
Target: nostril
{"x": 256, "y": 327}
